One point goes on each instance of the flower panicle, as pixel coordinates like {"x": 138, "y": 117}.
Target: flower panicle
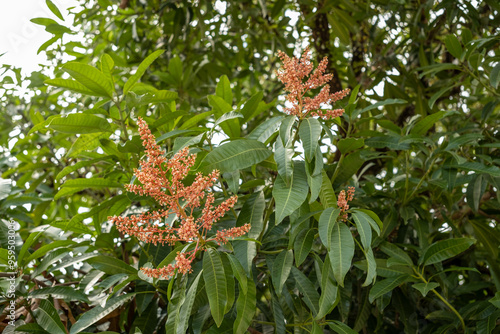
{"x": 293, "y": 75}
{"x": 163, "y": 180}
{"x": 343, "y": 201}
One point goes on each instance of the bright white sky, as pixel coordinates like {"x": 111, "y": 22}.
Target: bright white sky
{"x": 20, "y": 38}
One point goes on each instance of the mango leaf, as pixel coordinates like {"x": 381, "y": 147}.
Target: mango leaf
{"x": 75, "y": 185}
{"x": 237, "y": 154}
{"x": 371, "y": 272}
{"x": 290, "y": 197}
{"x": 379, "y": 104}
{"x": 245, "y": 309}
{"x": 329, "y": 290}
{"x": 98, "y": 312}
{"x": 347, "y": 145}
{"x": 216, "y": 285}
{"x": 445, "y": 249}
{"x": 228, "y": 116}
{"x": 53, "y": 8}
{"x": 281, "y": 269}
{"x": 364, "y": 228}
{"x": 48, "y": 247}
{"x": 252, "y": 213}
{"x": 453, "y": 46}
{"x": 251, "y": 105}
{"x": 223, "y": 90}
{"x": 91, "y": 78}
{"x": 341, "y": 251}
{"x": 141, "y": 70}
{"x": 326, "y": 193}
{"x": 286, "y": 133}
{"x": 340, "y": 328}
{"x": 69, "y": 169}
{"x": 79, "y": 123}
{"x": 396, "y": 252}
{"x": 384, "y": 286}
{"x": 283, "y": 157}
{"x": 309, "y": 133}
{"x": 111, "y": 265}
{"x": 302, "y": 245}
{"x": 48, "y": 318}
{"x": 327, "y": 220}
{"x": 375, "y": 221}
{"x": 239, "y": 272}
{"x": 495, "y": 76}
{"x": 475, "y": 191}
{"x": 266, "y": 129}
{"x": 424, "y": 288}
{"x": 187, "y": 306}
{"x": 423, "y": 125}
{"x": 306, "y": 287}
{"x": 71, "y": 85}
{"x": 60, "y": 292}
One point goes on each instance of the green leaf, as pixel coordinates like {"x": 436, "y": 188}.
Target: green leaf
{"x": 380, "y": 104}
{"x": 72, "y": 85}
{"x": 69, "y": 169}
{"x": 340, "y": 327}
{"x": 91, "y": 78}
{"x": 309, "y": 133}
{"x": 141, "y": 70}
{"x": 111, "y": 265}
{"x": 32, "y": 238}
{"x": 107, "y": 66}
{"x": 396, "y": 252}
{"x": 423, "y": 125}
{"x": 176, "y": 69}
{"x": 302, "y": 245}
{"x": 98, "y": 312}
{"x": 445, "y": 249}
{"x": 475, "y": 191}
{"x": 60, "y": 292}
{"x": 326, "y": 193}
{"x": 371, "y": 272}
{"x": 329, "y": 290}
{"x": 326, "y": 222}
{"x": 79, "y": 123}
{"x": 384, "y": 286}
{"x": 495, "y": 76}
{"x": 341, "y": 251}
{"x": 290, "y": 197}
{"x": 48, "y": 318}
{"x": 223, "y": 90}
{"x": 347, "y": 145}
{"x": 250, "y": 106}
{"x": 245, "y": 309}
{"x": 75, "y": 185}
{"x": 306, "y": 287}
{"x": 364, "y": 228}
{"x": 438, "y": 94}
{"x": 283, "y": 157}
{"x": 478, "y": 168}
{"x": 487, "y": 325}
{"x": 237, "y": 154}
{"x": 496, "y": 300}
{"x": 216, "y": 285}
{"x": 281, "y": 270}
{"x": 53, "y": 8}
{"x": 252, "y": 213}
{"x": 435, "y": 68}
{"x": 48, "y": 247}
{"x": 424, "y": 288}
{"x": 266, "y": 129}
{"x": 239, "y": 272}
{"x": 187, "y": 306}
{"x": 286, "y": 133}
{"x": 453, "y": 46}
{"x": 375, "y": 221}
{"x": 228, "y": 116}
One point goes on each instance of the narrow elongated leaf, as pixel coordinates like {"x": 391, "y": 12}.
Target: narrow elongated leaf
{"x": 53, "y": 8}
{"x": 46, "y": 248}
{"x": 252, "y": 213}
{"x": 384, "y": 286}
{"x": 69, "y": 169}
{"x": 286, "y": 133}
{"x": 32, "y": 238}
{"x": 382, "y": 103}
{"x": 283, "y": 157}
{"x": 302, "y": 245}
{"x": 238, "y": 272}
{"x": 251, "y": 105}
{"x": 371, "y": 273}
{"x": 223, "y": 89}
{"x": 90, "y": 77}
{"x": 309, "y": 133}
{"x": 423, "y": 125}
{"x": 364, "y": 228}
{"x": 92, "y": 316}
{"x": 245, "y": 309}
{"x": 238, "y": 154}
{"x": 265, "y": 130}
{"x": 245, "y": 252}
{"x": 375, "y": 221}
{"x": 424, "y": 288}
{"x": 306, "y": 287}
{"x": 396, "y": 252}
{"x": 495, "y": 76}
{"x": 340, "y": 327}
{"x": 76, "y": 185}
{"x": 453, "y": 45}
{"x": 326, "y": 193}
{"x": 216, "y": 285}
{"x": 281, "y": 270}
{"x": 326, "y": 222}
{"x": 187, "y": 306}
{"x": 72, "y": 85}
{"x": 445, "y": 249}
{"x": 341, "y": 251}
{"x": 60, "y": 292}
{"x": 111, "y": 265}
{"x": 478, "y": 168}
{"x": 141, "y": 70}
{"x": 79, "y": 123}
{"x": 329, "y": 290}
{"x": 48, "y": 318}
{"x": 347, "y": 145}
{"x": 289, "y": 197}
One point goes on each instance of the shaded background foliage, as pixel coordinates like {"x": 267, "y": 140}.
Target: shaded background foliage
{"x": 423, "y": 155}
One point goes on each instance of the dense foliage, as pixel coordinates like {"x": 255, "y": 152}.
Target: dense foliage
{"x": 415, "y": 251}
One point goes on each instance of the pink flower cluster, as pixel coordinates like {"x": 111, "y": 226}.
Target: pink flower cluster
{"x": 343, "y": 200}
{"x": 162, "y": 180}
{"x": 293, "y": 73}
